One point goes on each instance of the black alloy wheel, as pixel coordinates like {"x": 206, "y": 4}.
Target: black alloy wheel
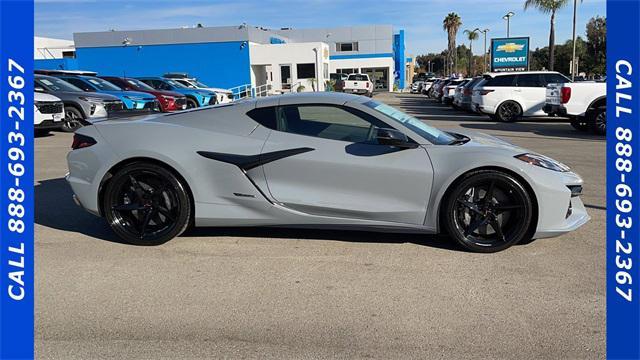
{"x": 72, "y": 119}
{"x": 509, "y": 111}
{"x": 598, "y": 123}
{"x": 488, "y": 211}
{"x": 191, "y": 103}
{"x": 146, "y": 204}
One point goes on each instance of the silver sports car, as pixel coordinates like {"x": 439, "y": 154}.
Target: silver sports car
{"x": 317, "y": 160}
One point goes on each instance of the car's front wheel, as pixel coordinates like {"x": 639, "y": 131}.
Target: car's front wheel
{"x": 191, "y": 103}
{"x": 72, "y": 119}
{"x": 146, "y": 204}
{"x": 488, "y": 211}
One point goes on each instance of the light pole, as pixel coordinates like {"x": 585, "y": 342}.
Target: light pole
{"x": 574, "y": 68}
{"x": 484, "y": 64}
{"x": 507, "y": 17}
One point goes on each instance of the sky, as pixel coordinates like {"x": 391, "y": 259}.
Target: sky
{"x": 421, "y": 19}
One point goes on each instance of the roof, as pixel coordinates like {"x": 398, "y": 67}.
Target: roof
{"x": 329, "y": 97}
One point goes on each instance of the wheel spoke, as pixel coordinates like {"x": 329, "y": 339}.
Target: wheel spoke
{"x": 488, "y": 196}
{"x": 496, "y": 227}
{"x": 148, "y": 214}
{"x": 164, "y": 211}
{"x": 474, "y": 226}
{"x": 128, "y": 207}
{"x": 471, "y": 206}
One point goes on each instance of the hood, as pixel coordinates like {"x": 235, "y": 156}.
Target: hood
{"x": 38, "y": 96}
{"x": 77, "y": 94}
{"x": 486, "y": 140}
{"x": 130, "y": 94}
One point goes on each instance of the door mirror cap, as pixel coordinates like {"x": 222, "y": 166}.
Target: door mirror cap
{"x": 393, "y": 137}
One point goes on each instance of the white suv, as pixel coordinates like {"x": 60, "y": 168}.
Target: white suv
{"x": 48, "y": 112}
{"x": 508, "y": 96}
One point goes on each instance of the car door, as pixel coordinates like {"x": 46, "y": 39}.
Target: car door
{"x": 532, "y": 92}
{"x": 343, "y": 171}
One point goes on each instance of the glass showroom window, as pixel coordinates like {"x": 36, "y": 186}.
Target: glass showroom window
{"x": 349, "y": 46}
{"x": 306, "y": 71}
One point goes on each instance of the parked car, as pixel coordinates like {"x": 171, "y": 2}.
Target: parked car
{"x": 168, "y": 100}
{"x": 79, "y": 107}
{"x": 509, "y": 96}
{"x": 427, "y": 85}
{"x": 48, "y": 113}
{"x": 449, "y": 90}
{"x": 195, "y": 97}
{"x": 585, "y": 103}
{"x": 223, "y": 96}
{"x": 358, "y": 84}
{"x": 431, "y": 92}
{"x": 416, "y": 87}
{"x": 463, "y": 101}
{"x": 318, "y": 159}
{"x": 132, "y": 100}
{"x": 338, "y": 79}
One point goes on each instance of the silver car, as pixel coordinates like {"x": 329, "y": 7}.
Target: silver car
{"x": 317, "y": 160}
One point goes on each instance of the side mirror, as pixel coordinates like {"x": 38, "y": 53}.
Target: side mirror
{"x": 394, "y": 137}
{"x": 38, "y": 89}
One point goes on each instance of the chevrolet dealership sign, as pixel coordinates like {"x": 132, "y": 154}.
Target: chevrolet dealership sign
{"x": 510, "y": 54}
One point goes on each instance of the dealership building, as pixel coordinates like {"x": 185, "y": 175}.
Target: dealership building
{"x": 234, "y": 56}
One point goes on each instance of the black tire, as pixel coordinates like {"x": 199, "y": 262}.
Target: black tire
{"x": 488, "y": 225}
{"x": 146, "y": 204}
{"x": 191, "y": 103}
{"x": 41, "y": 132}
{"x": 73, "y": 119}
{"x": 509, "y": 111}
{"x": 580, "y": 124}
{"x": 598, "y": 121}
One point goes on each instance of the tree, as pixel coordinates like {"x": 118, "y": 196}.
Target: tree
{"x": 451, "y": 25}
{"x": 548, "y": 7}
{"x": 471, "y": 35}
{"x": 597, "y": 42}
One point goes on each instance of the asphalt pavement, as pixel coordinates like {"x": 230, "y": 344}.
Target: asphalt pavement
{"x": 280, "y": 294}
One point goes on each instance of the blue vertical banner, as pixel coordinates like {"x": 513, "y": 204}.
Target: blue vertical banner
{"x": 16, "y": 179}
{"x": 623, "y": 182}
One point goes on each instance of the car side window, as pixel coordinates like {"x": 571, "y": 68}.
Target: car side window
{"x": 328, "y": 122}
{"x": 265, "y": 116}
{"x": 529, "y": 80}
{"x": 555, "y": 79}
{"x": 79, "y": 83}
{"x": 505, "y": 80}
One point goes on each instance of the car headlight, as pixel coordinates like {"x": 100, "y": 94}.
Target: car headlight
{"x": 543, "y": 161}
{"x": 90, "y": 99}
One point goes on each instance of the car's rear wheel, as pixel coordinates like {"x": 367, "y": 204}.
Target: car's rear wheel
{"x": 488, "y": 211}
{"x": 72, "y": 119}
{"x": 191, "y": 104}
{"x": 598, "y": 121}
{"x": 509, "y": 111}
{"x": 146, "y": 204}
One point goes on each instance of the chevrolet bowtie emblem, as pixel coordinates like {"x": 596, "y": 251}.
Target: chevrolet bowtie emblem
{"x": 509, "y": 47}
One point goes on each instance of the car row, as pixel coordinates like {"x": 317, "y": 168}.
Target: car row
{"x": 510, "y": 96}
{"x": 86, "y": 95}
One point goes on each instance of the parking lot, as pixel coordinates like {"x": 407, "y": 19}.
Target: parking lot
{"x": 282, "y": 293}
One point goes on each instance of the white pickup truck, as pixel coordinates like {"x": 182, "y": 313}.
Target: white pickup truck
{"x": 585, "y": 103}
{"x": 358, "y": 84}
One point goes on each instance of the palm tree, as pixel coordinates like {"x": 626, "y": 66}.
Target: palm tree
{"x": 471, "y": 35}
{"x": 548, "y": 7}
{"x": 451, "y": 24}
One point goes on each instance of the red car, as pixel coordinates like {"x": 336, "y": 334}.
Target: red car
{"x": 169, "y": 100}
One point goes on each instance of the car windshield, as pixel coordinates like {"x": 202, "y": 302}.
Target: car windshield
{"x": 433, "y": 135}
{"x": 358, "y": 77}
{"x": 175, "y": 84}
{"x": 139, "y": 84}
{"x": 199, "y": 84}
{"x": 55, "y": 84}
{"x": 102, "y": 84}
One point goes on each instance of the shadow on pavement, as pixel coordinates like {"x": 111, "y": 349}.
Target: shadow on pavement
{"x": 55, "y": 209}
